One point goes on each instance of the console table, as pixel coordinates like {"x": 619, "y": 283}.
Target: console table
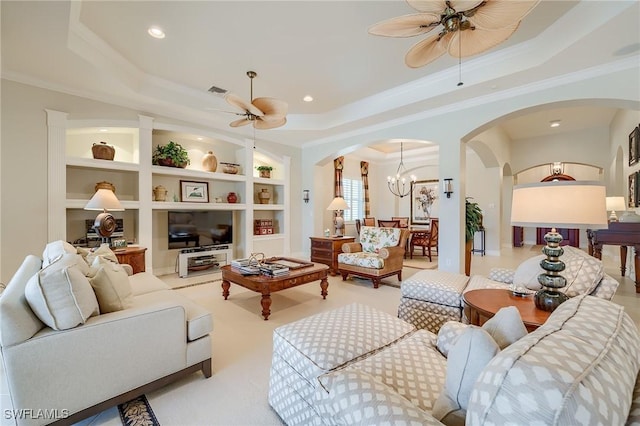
{"x": 623, "y": 234}
{"x": 326, "y": 250}
{"x": 133, "y": 256}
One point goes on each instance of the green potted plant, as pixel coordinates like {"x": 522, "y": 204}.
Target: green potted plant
{"x": 171, "y": 155}
{"x": 265, "y": 171}
{"x": 473, "y": 223}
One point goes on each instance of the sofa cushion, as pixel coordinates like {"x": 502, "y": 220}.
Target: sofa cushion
{"x": 18, "y": 322}
{"x": 585, "y": 354}
{"x": 373, "y": 238}
{"x": 506, "y": 326}
{"x": 363, "y": 259}
{"x": 146, "y": 282}
{"x": 60, "y": 294}
{"x": 467, "y": 358}
{"x": 54, "y": 250}
{"x": 111, "y": 286}
{"x": 582, "y": 272}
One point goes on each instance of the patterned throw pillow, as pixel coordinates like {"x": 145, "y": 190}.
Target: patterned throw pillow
{"x": 373, "y": 238}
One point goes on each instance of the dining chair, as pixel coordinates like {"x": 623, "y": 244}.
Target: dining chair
{"x": 426, "y": 240}
{"x": 369, "y": 221}
{"x": 404, "y": 220}
{"x": 388, "y": 223}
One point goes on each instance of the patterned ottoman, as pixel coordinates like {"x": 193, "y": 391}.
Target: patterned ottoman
{"x": 305, "y": 349}
{"x": 431, "y": 298}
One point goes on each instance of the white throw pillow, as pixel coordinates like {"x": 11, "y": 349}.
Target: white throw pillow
{"x": 60, "y": 294}
{"x": 104, "y": 252}
{"x": 526, "y": 274}
{"x": 54, "y": 250}
{"x": 467, "y": 358}
{"x": 112, "y": 287}
{"x": 506, "y": 326}
{"x": 448, "y": 336}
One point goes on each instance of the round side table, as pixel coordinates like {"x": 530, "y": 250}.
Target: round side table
{"x": 480, "y": 305}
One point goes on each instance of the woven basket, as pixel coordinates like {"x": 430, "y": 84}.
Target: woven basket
{"x": 102, "y": 151}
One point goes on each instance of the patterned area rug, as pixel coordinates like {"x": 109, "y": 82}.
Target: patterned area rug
{"x": 137, "y": 412}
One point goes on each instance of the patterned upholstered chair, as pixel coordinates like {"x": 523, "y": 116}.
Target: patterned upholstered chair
{"x": 379, "y": 254}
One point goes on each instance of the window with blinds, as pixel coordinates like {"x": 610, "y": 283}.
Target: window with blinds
{"x": 354, "y": 196}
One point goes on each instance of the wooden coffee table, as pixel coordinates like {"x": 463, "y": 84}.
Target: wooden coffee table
{"x": 267, "y": 285}
{"x": 483, "y": 304}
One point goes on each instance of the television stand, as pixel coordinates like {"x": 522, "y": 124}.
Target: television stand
{"x": 199, "y": 260}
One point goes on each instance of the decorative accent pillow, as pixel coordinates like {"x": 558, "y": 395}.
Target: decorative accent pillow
{"x": 527, "y": 273}
{"x": 467, "y": 358}
{"x": 448, "y": 336}
{"x": 111, "y": 286}
{"x": 103, "y": 251}
{"x": 54, "y": 250}
{"x": 503, "y": 275}
{"x": 373, "y": 238}
{"x": 60, "y": 294}
{"x": 506, "y": 326}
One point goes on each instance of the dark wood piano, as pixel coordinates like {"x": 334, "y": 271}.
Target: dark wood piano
{"x": 623, "y": 234}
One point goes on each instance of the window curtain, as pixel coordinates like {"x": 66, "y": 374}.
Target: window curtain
{"x": 338, "y": 166}
{"x": 364, "y": 172}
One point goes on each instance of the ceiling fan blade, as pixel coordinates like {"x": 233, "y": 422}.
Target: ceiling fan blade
{"x": 240, "y": 122}
{"x": 406, "y": 26}
{"x": 238, "y": 102}
{"x": 499, "y": 14}
{"x": 428, "y": 6}
{"x": 464, "y": 5}
{"x": 273, "y": 109}
{"x": 478, "y": 40}
{"x": 427, "y": 50}
{"x": 272, "y": 124}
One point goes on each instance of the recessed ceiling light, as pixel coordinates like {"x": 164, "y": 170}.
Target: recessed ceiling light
{"x": 308, "y": 98}
{"x": 156, "y": 32}
{"x": 199, "y": 138}
{"x": 554, "y": 123}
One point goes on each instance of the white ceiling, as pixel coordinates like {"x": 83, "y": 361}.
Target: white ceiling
{"x": 101, "y": 50}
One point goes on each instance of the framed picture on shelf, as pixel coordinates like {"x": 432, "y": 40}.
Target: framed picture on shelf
{"x": 194, "y": 192}
{"x": 424, "y": 201}
{"x": 633, "y": 145}
{"x": 633, "y": 190}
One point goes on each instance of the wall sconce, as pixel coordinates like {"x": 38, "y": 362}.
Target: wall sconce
{"x": 448, "y": 187}
{"x": 305, "y": 195}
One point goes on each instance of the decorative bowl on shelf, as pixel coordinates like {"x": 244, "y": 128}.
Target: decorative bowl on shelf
{"x": 102, "y": 151}
{"x": 230, "y": 168}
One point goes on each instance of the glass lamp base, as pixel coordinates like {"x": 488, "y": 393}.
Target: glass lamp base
{"x": 549, "y": 300}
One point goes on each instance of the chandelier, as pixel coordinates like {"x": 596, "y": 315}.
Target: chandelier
{"x": 398, "y": 184}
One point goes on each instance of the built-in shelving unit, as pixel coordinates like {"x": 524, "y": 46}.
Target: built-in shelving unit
{"x": 73, "y": 174}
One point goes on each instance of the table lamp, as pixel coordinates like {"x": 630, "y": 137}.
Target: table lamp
{"x": 338, "y": 205}
{"x": 613, "y": 204}
{"x": 105, "y": 200}
{"x": 566, "y": 204}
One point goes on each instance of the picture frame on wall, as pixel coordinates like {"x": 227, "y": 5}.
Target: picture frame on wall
{"x": 633, "y": 190}
{"x": 633, "y": 146}
{"x": 424, "y": 201}
{"x": 194, "y": 192}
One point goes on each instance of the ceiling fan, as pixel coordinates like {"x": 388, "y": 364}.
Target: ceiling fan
{"x": 263, "y": 113}
{"x": 467, "y": 27}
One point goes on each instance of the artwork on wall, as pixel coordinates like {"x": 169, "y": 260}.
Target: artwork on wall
{"x": 194, "y": 192}
{"x": 633, "y": 145}
{"x": 424, "y": 201}
{"x": 633, "y": 190}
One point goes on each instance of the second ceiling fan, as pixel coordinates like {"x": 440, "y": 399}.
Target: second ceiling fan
{"x": 262, "y": 113}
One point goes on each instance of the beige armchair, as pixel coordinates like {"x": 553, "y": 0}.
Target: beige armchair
{"x": 379, "y": 254}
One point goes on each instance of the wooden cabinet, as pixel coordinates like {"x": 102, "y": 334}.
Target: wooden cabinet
{"x": 133, "y": 256}
{"x": 326, "y": 250}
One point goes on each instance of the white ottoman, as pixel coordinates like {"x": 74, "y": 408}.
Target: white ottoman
{"x": 431, "y": 298}
{"x": 305, "y": 349}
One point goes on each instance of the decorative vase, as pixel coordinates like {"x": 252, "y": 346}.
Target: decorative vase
{"x": 265, "y": 173}
{"x": 209, "y": 162}
{"x": 105, "y": 185}
{"x": 160, "y": 193}
{"x": 102, "y": 151}
{"x": 230, "y": 168}
{"x": 264, "y": 196}
{"x": 232, "y": 197}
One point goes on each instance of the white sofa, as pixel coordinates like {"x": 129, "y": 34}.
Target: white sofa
{"x": 79, "y": 370}
{"x": 356, "y": 365}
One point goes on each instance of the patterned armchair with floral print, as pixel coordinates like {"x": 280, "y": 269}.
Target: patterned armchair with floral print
{"x": 379, "y": 254}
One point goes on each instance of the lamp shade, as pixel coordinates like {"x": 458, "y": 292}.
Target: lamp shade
{"x": 338, "y": 203}
{"x": 565, "y": 204}
{"x": 615, "y": 203}
{"x": 104, "y": 200}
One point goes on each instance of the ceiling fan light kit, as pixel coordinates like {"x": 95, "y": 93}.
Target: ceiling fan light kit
{"x": 262, "y": 113}
{"x": 467, "y": 27}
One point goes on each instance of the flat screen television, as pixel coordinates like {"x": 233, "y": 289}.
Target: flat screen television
{"x": 199, "y": 228}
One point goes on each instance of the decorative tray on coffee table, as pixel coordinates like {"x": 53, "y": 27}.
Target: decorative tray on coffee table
{"x": 289, "y": 262}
